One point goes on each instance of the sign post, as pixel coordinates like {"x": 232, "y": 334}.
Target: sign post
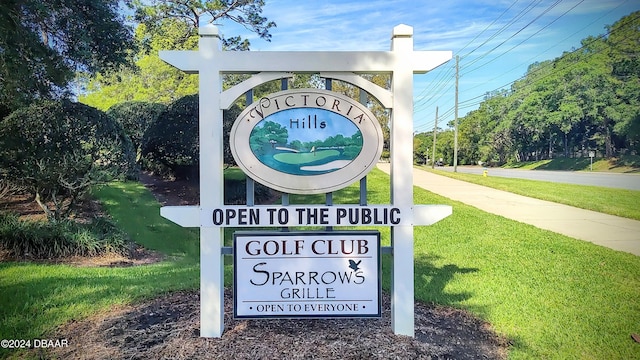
{"x": 402, "y": 62}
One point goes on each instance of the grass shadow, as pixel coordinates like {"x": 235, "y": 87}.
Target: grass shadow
{"x": 565, "y": 164}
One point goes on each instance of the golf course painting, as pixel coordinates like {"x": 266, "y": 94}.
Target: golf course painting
{"x": 304, "y": 141}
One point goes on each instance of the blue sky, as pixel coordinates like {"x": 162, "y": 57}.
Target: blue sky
{"x": 496, "y": 40}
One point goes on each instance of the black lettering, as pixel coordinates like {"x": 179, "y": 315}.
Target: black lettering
{"x": 395, "y": 216}
{"x": 300, "y": 211}
{"x": 229, "y": 214}
{"x": 330, "y": 279}
{"x": 242, "y": 216}
{"x": 323, "y": 124}
{"x": 299, "y": 279}
{"x": 354, "y": 216}
{"x": 313, "y": 247}
{"x": 340, "y": 214}
{"x": 312, "y": 277}
{"x": 286, "y": 101}
{"x": 265, "y": 102}
{"x": 312, "y": 216}
{"x": 324, "y": 216}
{"x": 378, "y": 221}
{"x": 218, "y": 217}
{"x": 271, "y": 217}
{"x": 321, "y": 101}
{"x": 252, "y": 251}
{"x": 283, "y": 216}
{"x": 255, "y": 270}
{"x": 366, "y": 216}
{"x": 274, "y": 249}
{"x": 336, "y": 103}
{"x": 363, "y": 246}
{"x": 261, "y": 113}
{"x": 344, "y": 247}
{"x": 254, "y": 216}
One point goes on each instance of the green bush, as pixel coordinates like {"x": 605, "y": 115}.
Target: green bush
{"x": 235, "y": 192}
{"x": 173, "y": 140}
{"x": 50, "y": 240}
{"x": 58, "y": 150}
{"x": 135, "y": 117}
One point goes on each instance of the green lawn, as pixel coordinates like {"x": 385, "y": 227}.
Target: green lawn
{"x": 554, "y": 297}
{"x": 304, "y": 158}
{"x": 622, "y": 164}
{"x": 618, "y": 202}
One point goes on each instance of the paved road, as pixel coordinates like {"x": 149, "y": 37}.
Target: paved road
{"x": 602, "y": 229}
{"x": 614, "y": 180}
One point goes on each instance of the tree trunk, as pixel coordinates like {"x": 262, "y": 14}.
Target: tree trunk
{"x": 50, "y": 214}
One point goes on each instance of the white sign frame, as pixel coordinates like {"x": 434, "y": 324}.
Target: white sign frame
{"x": 310, "y": 274}
{"x": 211, "y": 63}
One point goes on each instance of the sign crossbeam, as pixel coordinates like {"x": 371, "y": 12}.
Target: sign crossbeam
{"x": 230, "y": 62}
{"x": 210, "y": 62}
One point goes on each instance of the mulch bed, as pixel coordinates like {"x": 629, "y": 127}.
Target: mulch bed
{"x": 168, "y": 328}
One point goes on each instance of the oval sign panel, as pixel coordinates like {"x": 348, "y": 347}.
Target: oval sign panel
{"x": 306, "y": 141}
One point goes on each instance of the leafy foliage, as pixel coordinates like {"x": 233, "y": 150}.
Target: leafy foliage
{"x": 57, "y": 150}
{"x": 191, "y": 12}
{"x": 151, "y": 80}
{"x": 173, "y": 139}
{"x": 45, "y": 240}
{"x": 170, "y": 25}
{"x": 44, "y": 42}
{"x": 135, "y": 117}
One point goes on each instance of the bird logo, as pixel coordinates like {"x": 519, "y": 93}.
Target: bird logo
{"x": 354, "y": 265}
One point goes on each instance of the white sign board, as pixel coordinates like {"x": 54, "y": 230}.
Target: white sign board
{"x": 307, "y": 274}
{"x": 306, "y": 141}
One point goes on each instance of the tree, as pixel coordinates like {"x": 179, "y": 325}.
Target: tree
{"x": 266, "y": 136}
{"x": 190, "y": 12}
{"x": 57, "y": 150}
{"x": 171, "y": 25}
{"x": 173, "y": 139}
{"x": 43, "y": 43}
{"x": 421, "y": 147}
{"x": 625, "y": 62}
{"x": 135, "y": 117}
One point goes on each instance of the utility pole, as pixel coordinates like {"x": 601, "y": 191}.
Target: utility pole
{"x": 455, "y": 133}
{"x": 435, "y": 129}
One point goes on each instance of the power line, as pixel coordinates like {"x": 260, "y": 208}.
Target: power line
{"x": 519, "y": 16}
{"x": 516, "y": 33}
{"x": 529, "y": 37}
{"x": 483, "y": 31}
{"x": 531, "y": 60}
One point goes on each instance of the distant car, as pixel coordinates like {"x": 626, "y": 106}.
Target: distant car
{"x": 439, "y": 163}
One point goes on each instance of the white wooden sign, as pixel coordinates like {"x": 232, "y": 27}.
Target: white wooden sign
{"x": 307, "y": 274}
{"x": 211, "y": 63}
